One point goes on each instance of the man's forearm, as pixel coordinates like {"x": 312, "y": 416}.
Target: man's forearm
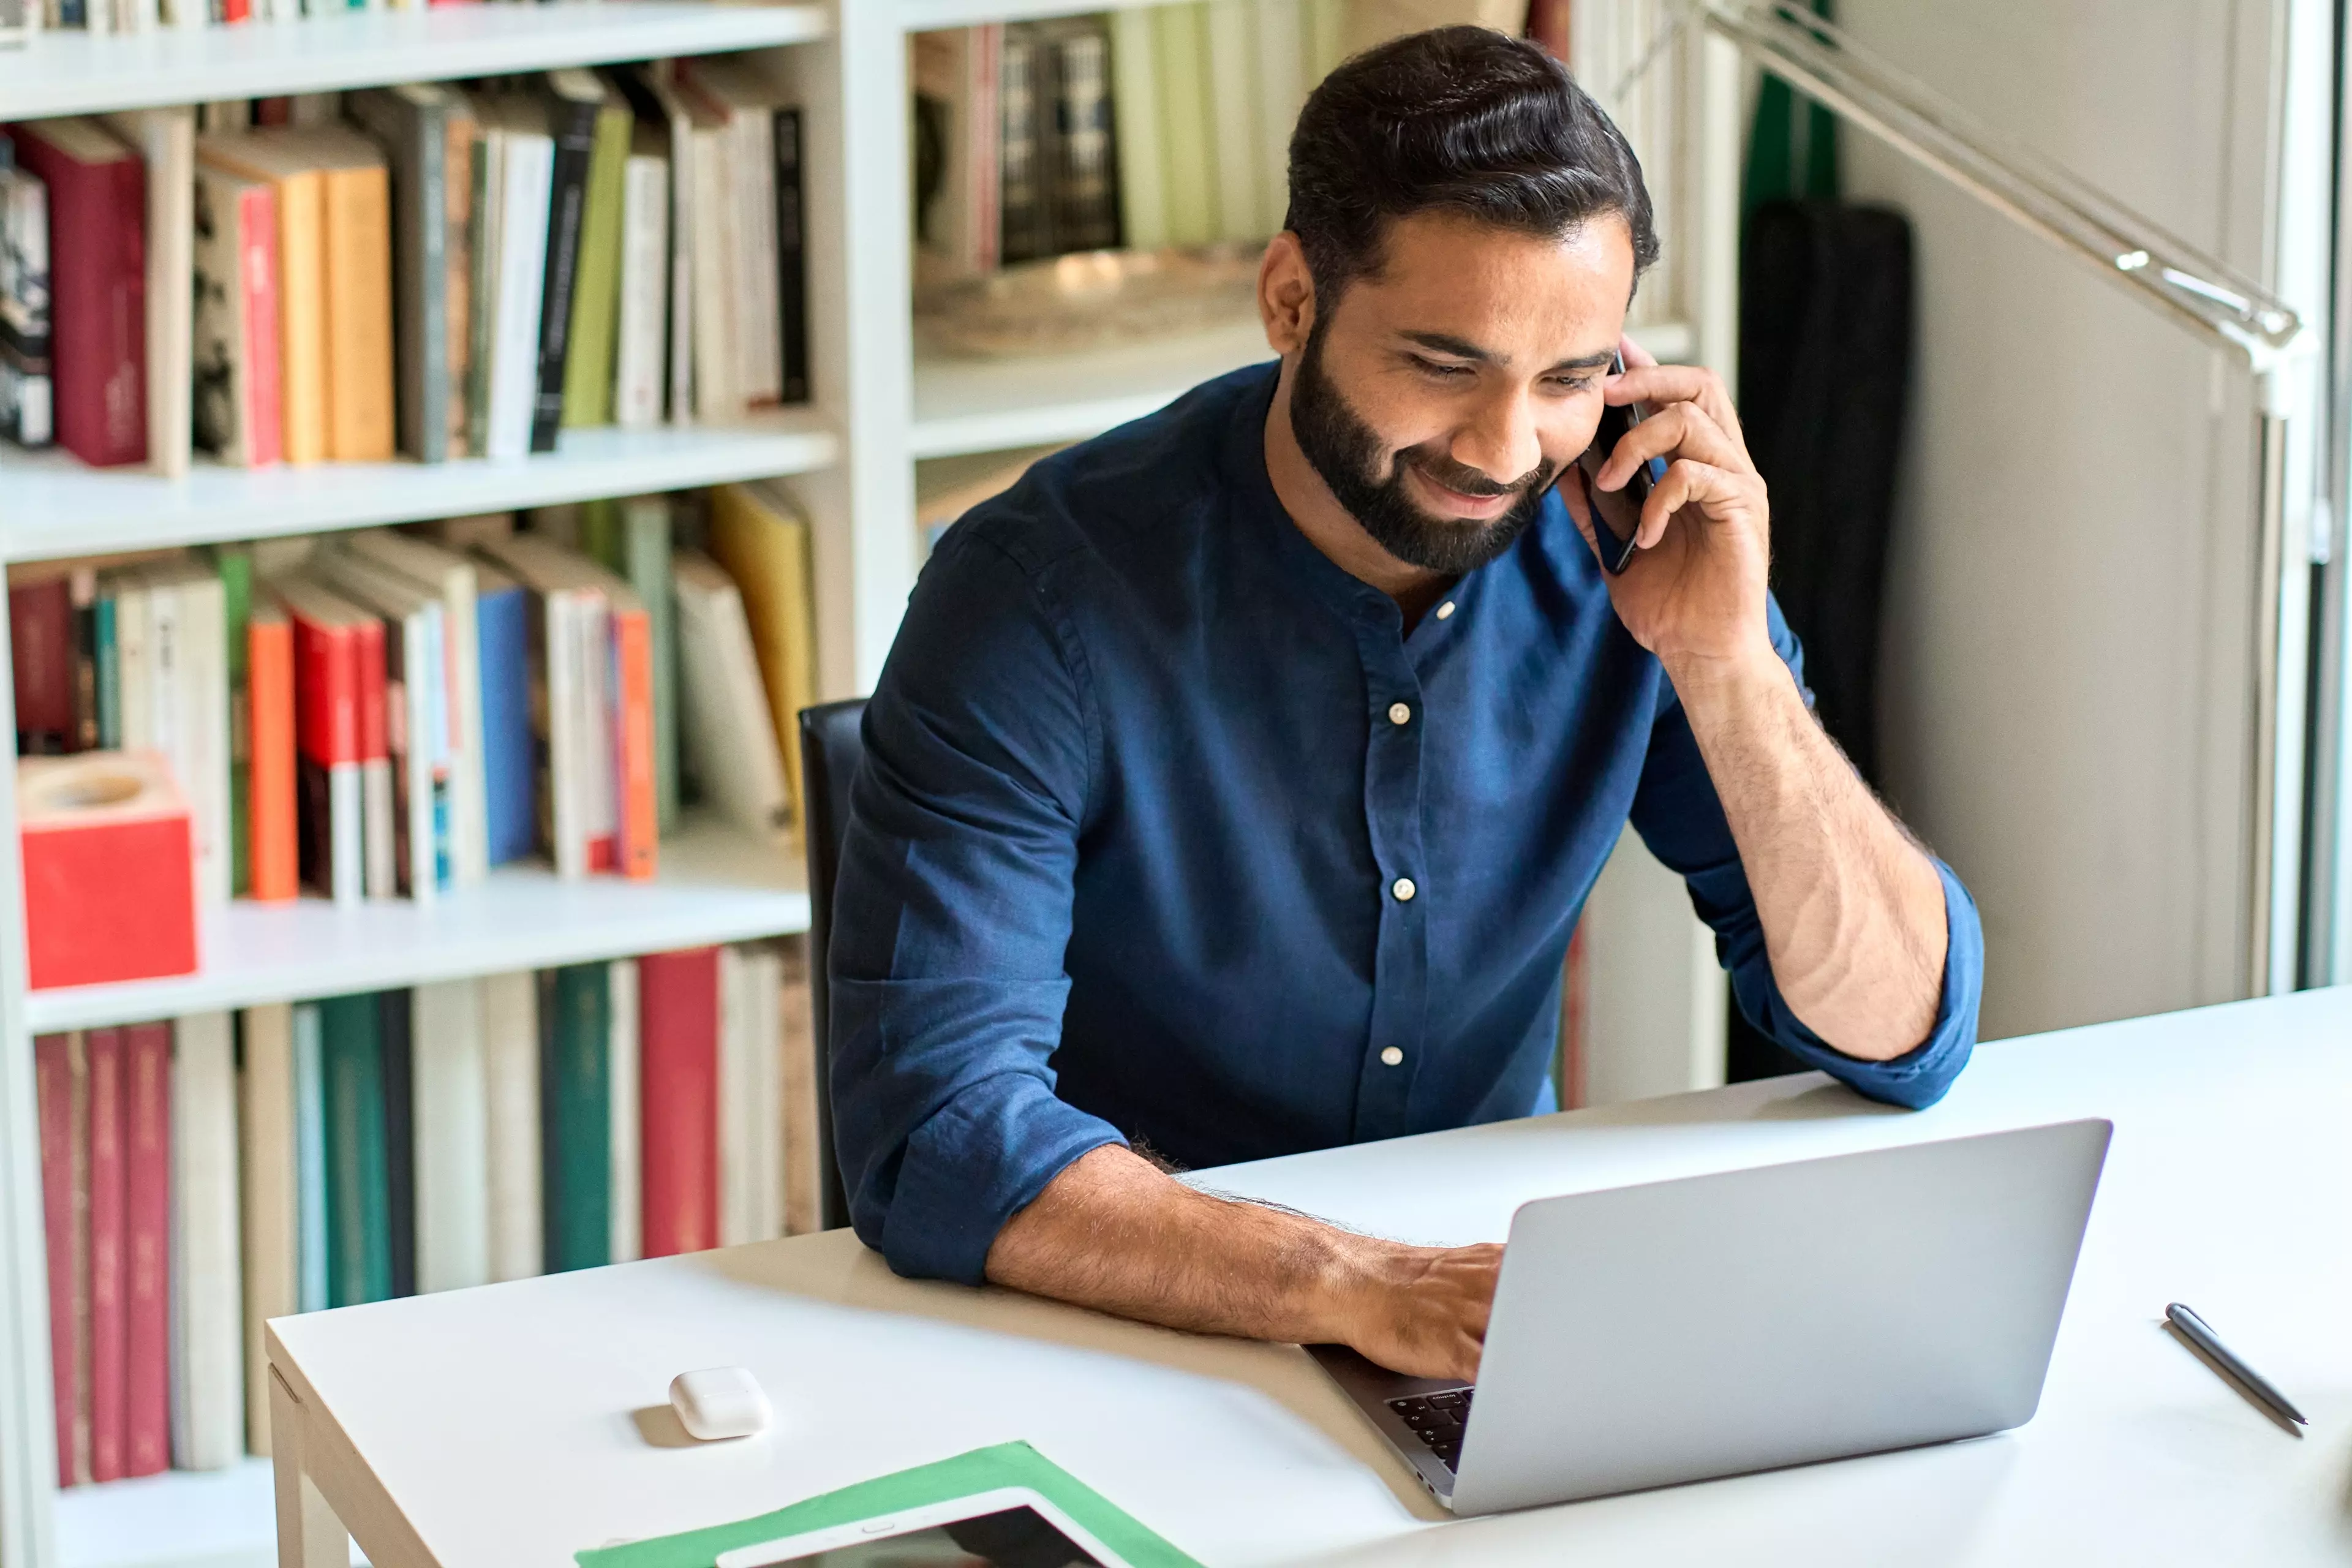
{"x": 1117, "y": 1234}
{"x": 1852, "y": 909}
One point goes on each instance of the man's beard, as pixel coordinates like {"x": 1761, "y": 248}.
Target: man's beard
{"x": 1349, "y": 457}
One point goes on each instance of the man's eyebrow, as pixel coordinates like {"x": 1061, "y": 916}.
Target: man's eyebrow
{"x": 1462, "y": 348}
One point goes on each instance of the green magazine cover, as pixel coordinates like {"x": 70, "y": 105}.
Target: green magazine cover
{"x": 966, "y": 1475}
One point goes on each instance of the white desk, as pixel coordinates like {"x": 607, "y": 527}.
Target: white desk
{"x": 2226, "y": 1187}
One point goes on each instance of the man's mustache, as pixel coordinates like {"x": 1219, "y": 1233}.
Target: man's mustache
{"x": 1466, "y": 481}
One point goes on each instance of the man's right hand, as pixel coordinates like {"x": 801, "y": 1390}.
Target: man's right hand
{"x": 1117, "y": 1234}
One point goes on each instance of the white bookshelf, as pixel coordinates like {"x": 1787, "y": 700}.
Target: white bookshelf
{"x": 73, "y": 72}
{"x": 850, "y": 457}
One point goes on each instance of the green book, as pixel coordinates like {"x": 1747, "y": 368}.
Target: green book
{"x": 1186, "y": 141}
{"x": 596, "y": 292}
{"x": 575, "y": 1109}
{"x": 600, "y": 534}
{"x": 234, "y": 564}
{"x": 645, "y": 521}
{"x": 359, "y": 1219}
{"x": 107, "y": 658}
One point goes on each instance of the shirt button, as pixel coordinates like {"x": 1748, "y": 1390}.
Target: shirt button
{"x": 1403, "y": 890}
{"x": 1399, "y": 713}
{"x": 1392, "y": 1057}
{"x": 1445, "y": 610}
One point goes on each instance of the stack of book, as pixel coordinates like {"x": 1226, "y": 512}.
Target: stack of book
{"x": 1164, "y": 125}
{"x": 203, "y": 1176}
{"x": 391, "y": 713}
{"x": 431, "y": 269}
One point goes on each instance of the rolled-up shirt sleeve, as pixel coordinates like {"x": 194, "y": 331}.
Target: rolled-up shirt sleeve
{"x": 1681, "y": 818}
{"x": 951, "y": 916}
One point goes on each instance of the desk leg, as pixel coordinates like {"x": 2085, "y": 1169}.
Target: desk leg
{"x": 308, "y": 1533}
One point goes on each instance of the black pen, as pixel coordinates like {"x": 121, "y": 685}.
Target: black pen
{"x": 2193, "y": 1326}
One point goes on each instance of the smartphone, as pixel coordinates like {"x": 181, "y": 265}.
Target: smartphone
{"x": 1617, "y": 515}
{"x": 1012, "y": 1527}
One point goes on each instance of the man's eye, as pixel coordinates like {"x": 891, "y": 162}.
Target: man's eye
{"x": 1574, "y": 383}
{"x": 1440, "y": 369}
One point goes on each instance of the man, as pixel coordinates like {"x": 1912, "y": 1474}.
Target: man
{"x": 1237, "y": 778}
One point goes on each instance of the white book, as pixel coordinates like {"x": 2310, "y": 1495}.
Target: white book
{"x": 640, "y": 368}
{"x": 526, "y": 173}
{"x": 132, "y": 665}
{"x": 749, "y": 105}
{"x": 597, "y": 702}
{"x": 207, "y": 1296}
{"x": 453, "y": 576}
{"x": 202, "y": 740}
{"x": 310, "y": 1161}
{"x": 622, "y": 1073}
{"x": 1135, "y": 100}
{"x": 717, "y": 346}
{"x": 1282, "y": 94}
{"x": 803, "y": 1163}
{"x": 1233, "y": 125}
{"x": 450, "y": 1091}
{"x": 737, "y": 1204}
{"x": 724, "y": 726}
{"x": 764, "y": 984}
{"x": 680, "y": 282}
{"x": 511, "y": 1071}
{"x": 271, "y": 1226}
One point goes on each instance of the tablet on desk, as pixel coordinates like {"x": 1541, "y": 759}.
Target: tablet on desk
{"x": 1012, "y": 1527}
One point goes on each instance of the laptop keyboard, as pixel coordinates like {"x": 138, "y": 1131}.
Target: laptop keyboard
{"x": 1437, "y": 1419}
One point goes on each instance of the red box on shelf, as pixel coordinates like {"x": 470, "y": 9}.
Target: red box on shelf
{"x": 110, "y": 881}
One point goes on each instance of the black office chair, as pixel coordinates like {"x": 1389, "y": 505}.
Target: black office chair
{"x": 831, "y": 748}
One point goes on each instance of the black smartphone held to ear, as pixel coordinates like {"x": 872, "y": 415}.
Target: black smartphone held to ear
{"x": 1617, "y": 515}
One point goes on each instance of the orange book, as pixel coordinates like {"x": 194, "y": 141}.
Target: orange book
{"x": 272, "y": 834}
{"x": 358, "y": 202}
{"x": 633, "y": 734}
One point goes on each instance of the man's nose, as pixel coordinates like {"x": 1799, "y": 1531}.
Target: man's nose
{"x": 1500, "y": 439}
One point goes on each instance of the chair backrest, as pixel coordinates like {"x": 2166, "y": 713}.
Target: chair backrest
{"x": 830, "y": 748}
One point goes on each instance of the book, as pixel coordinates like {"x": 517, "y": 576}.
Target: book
{"x": 678, "y": 1045}
{"x": 357, "y": 202}
{"x": 791, "y": 255}
{"x": 453, "y": 1136}
{"x": 657, "y": 103}
{"x": 624, "y": 1119}
{"x": 718, "y": 393}
{"x": 804, "y": 1153}
{"x": 380, "y": 836}
{"x": 520, "y": 186}
{"x": 957, "y": 137}
{"x": 82, "y": 594}
{"x": 751, "y": 1169}
{"x": 276, "y": 157}
{"x": 272, "y": 833}
{"x": 410, "y": 123}
{"x": 643, "y": 558}
{"x": 1186, "y": 138}
{"x": 106, "y": 1387}
{"x": 268, "y": 1192}
{"x": 97, "y": 307}
{"x": 394, "y": 1015}
{"x": 187, "y": 693}
{"x": 588, "y": 368}
{"x": 461, "y": 223}
{"x": 147, "y": 1248}
{"x": 41, "y": 659}
{"x": 575, "y": 1108}
{"x": 27, "y": 403}
{"x": 359, "y": 1225}
{"x": 573, "y": 99}
{"x": 486, "y": 201}
{"x": 510, "y": 796}
{"x": 417, "y": 731}
{"x": 1135, "y": 98}
{"x": 728, "y": 737}
{"x": 165, "y": 139}
{"x": 640, "y": 368}
{"x": 1080, "y": 164}
{"x": 746, "y": 104}
{"x": 760, "y": 536}
{"x": 510, "y": 1074}
{"x": 232, "y": 564}
{"x": 313, "y": 1247}
{"x": 454, "y": 577}
{"x": 207, "y": 1294}
{"x": 55, "y": 1060}
{"x": 327, "y": 651}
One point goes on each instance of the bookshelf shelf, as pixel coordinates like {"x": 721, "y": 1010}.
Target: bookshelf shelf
{"x": 715, "y": 885}
{"x": 980, "y": 406}
{"x": 50, "y": 505}
{"x": 73, "y": 72}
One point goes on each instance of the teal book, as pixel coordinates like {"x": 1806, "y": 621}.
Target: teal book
{"x": 234, "y": 564}
{"x": 108, "y": 662}
{"x": 310, "y": 1294}
{"x": 575, "y": 1108}
{"x": 359, "y": 1219}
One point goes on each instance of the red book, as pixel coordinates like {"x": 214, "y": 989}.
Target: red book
{"x": 97, "y": 284}
{"x": 632, "y": 733}
{"x": 109, "y": 1328}
{"x": 326, "y": 641}
{"x": 54, "y": 1092}
{"x": 147, "y": 1248}
{"x": 272, "y": 837}
{"x": 677, "y": 1101}
{"x": 41, "y": 653}
{"x": 236, "y": 10}
{"x": 257, "y": 271}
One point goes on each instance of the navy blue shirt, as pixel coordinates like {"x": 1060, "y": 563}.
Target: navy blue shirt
{"x": 1169, "y": 832}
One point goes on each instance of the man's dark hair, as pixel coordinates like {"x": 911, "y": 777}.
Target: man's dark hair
{"x": 1462, "y": 119}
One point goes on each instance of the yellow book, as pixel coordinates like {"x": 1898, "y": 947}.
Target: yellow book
{"x": 762, "y": 541}
{"x": 358, "y": 206}
{"x": 278, "y": 156}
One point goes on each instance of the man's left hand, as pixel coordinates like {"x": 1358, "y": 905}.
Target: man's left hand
{"x": 1694, "y": 588}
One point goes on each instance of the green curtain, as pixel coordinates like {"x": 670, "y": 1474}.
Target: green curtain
{"x": 1792, "y": 147}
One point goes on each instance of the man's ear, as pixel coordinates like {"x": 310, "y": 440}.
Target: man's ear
{"x": 1285, "y": 295}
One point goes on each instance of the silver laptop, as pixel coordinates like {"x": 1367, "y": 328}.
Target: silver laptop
{"x": 1716, "y": 1324}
